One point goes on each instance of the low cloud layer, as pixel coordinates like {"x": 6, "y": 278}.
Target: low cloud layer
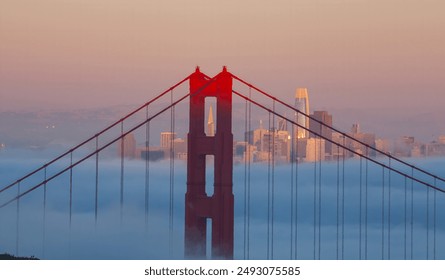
{"x": 360, "y": 233}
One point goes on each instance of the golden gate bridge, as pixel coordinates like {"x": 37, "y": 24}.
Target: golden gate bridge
{"x": 375, "y": 206}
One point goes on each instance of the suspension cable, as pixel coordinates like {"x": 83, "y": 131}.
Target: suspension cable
{"x": 405, "y": 218}
{"x": 428, "y": 224}
{"x": 315, "y": 201}
{"x": 434, "y": 220}
{"x": 366, "y": 206}
{"x": 268, "y": 190}
{"x": 292, "y": 152}
{"x": 273, "y": 179}
{"x": 296, "y": 192}
{"x": 338, "y": 200}
{"x": 248, "y": 178}
{"x": 17, "y": 229}
{"x": 71, "y": 198}
{"x": 383, "y": 213}
{"x": 412, "y": 214}
{"x": 319, "y": 197}
{"x": 343, "y": 204}
{"x": 172, "y": 173}
{"x": 360, "y": 209}
{"x": 44, "y": 212}
{"x": 389, "y": 211}
{"x": 122, "y": 138}
{"x": 96, "y": 200}
{"x": 246, "y": 132}
{"x": 147, "y": 169}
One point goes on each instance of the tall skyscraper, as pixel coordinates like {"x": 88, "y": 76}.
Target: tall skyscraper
{"x": 302, "y": 104}
{"x": 210, "y": 123}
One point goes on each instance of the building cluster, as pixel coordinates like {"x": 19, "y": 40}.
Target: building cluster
{"x": 407, "y": 146}
{"x": 311, "y": 138}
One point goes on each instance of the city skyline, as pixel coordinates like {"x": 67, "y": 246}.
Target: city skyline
{"x": 269, "y": 144}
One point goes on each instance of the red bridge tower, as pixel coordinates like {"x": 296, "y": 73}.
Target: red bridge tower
{"x": 198, "y": 205}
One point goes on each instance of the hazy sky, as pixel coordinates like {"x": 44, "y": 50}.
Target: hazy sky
{"x": 349, "y": 53}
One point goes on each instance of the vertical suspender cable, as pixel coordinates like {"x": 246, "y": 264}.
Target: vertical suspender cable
{"x": 319, "y": 195}
{"x": 96, "y": 200}
{"x": 434, "y": 218}
{"x": 292, "y": 152}
{"x": 17, "y": 229}
{"x": 248, "y": 176}
{"x": 71, "y": 198}
{"x": 338, "y": 200}
{"x": 427, "y": 223}
{"x": 296, "y": 192}
{"x": 273, "y": 180}
{"x": 360, "y": 210}
{"x": 383, "y": 213}
{"x": 412, "y": 214}
{"x": 389, "y": 210}
{"x": 404, "y": 218}
{"x": 246, "y": 132}
{"x": 343, "y": 203}
{"x": 44, "y": 211}
{"x": 147, "y": 168}
{"x": 122, "y": 174}
{"x": 172, "y": 172}
{"x": 315, "y": 201}
{"x": 268, "y": 190}
{"x": 366, "y": 206}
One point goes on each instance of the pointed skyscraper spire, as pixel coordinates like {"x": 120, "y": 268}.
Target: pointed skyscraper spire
{"x": 210, "y": 123}
{"x": 302, "y": 105}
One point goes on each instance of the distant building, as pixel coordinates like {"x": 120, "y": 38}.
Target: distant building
{"x": 127, "y": 146}
{"x": 282, "y": 124}
{"x": 210, "y": 123}
{"x": 314, "y": 124}
{"x": 382, "y": 145}
{"x": 403, "y": 146}
{"x": 180, "y": 147}
{"x": 256, "y": 137}
{"x": 152, "y": 154}
{"x": 355, "y": 128}
{"x": 368, "y": 140}
{"x": 337, "y": 151}
{"x": 435, "y": 148}
{"x": 311, "y": 149}
{"x": 167, "y": 139}
{"x": 178, "y": 150}
{"x": 302, "y": 104}
{"x": 263, "y": 144}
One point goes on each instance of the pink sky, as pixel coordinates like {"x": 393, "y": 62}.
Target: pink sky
{"x": 348, "y": 53}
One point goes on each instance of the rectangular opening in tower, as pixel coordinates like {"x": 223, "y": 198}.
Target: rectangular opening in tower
{"x": 209, "y": 239}
{"x": 210, "y": 116}
{"x": 210, "y": 174}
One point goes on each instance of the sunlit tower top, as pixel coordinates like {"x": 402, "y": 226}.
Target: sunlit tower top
{"x": 210, "y": 123}
{"x": 302, "y": 104}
